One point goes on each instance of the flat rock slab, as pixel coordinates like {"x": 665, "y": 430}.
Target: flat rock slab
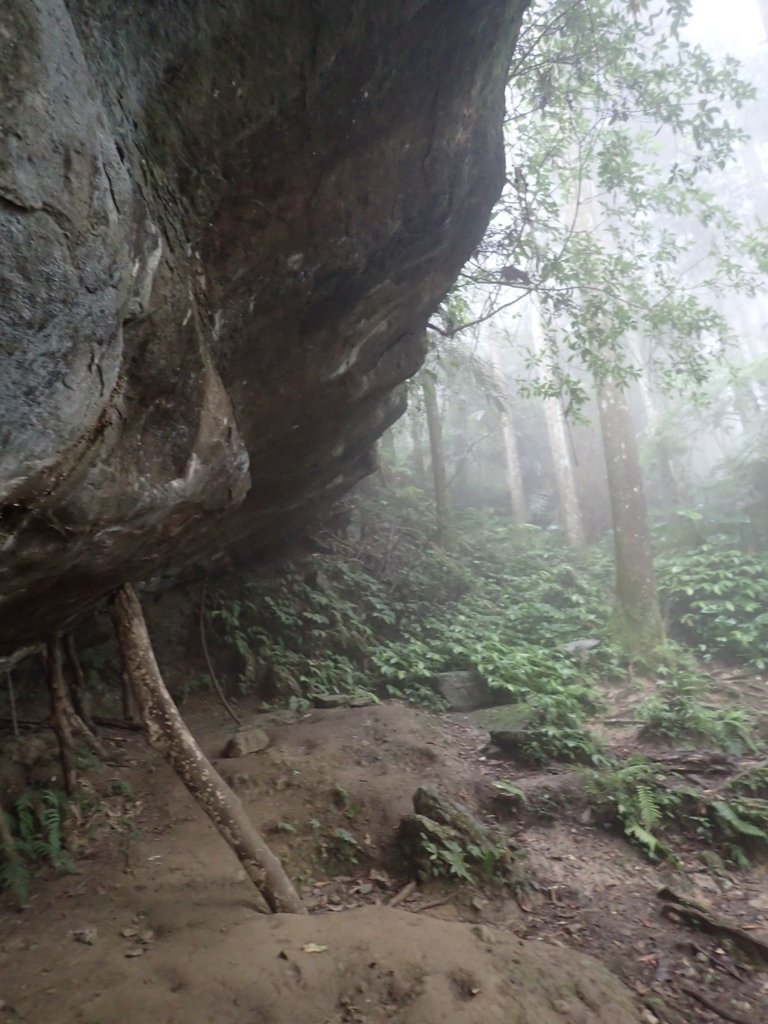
{"x": 248, "y": 740}
{"x": 342, "y": 700}
{"x": 463, "y": 691}
{"x": 507, "y": 724}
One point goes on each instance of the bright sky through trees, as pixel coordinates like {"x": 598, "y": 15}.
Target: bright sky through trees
{"x": 735, "y": 27}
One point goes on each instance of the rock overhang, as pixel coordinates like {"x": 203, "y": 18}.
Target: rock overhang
{"x": 224, "y": 227}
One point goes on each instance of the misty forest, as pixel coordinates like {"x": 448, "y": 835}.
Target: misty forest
{"x": 384, "y": 521}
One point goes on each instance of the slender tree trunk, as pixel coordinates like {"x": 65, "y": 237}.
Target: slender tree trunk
{"x": 514, "y": 474}
{"x": 167, "y": 733}
{"x": 76, "y": 680}
{"x": 515, "y": 485}
{"x": 565, "y": 482}
{"x": 673, "y": 492}
{"x": 439, "y": 476}
{"x": 638, "y": 613}
{"x": 417, "y": 452}
{"x": 387, "y": 457}
{"x": 61, "y": 719}
{"x": 458, "y": 426}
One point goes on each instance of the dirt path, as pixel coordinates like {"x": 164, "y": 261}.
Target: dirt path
{"x": 159, "y": 923}
{"x": 600, "y": 895}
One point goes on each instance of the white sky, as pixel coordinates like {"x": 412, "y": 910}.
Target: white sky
{"x": 732, "y": 26}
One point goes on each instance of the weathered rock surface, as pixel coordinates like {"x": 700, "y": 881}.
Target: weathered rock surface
{"x": 223, "y": 228}
{"x": 444, "y": 838}
{"x": 463, "y": 691}
{"x": 508, "y": 725}
{"x": 249, "y": 739}
{"x": 342, "y": 700}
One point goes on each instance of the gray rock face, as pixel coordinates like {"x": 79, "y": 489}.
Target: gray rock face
{"x": 464, "y": 691}
{"x": 507, "y": 724}
{"x": 250, "y": 739}
{"x": 223, "y": 228}
{"x": 342, "y": 700}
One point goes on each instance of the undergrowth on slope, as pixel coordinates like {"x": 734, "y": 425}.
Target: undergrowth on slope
{"x": 678, "y": 710}
{"x": 715, "y": 598}
{"x": 388, "y": 610}
{"x": 655, "y": 808}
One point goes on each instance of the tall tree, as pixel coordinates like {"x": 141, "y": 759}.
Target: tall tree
{"x": 518, "y": 506}
{"x": 437, "y": 451}
{"x": 557, "y": 432}
{"x": 638, "y": 615}
{"x": 618, "y": 129}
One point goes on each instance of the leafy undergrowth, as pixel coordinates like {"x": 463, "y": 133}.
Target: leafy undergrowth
{"x": 390, "y": 612}
{"x": 36, "y": 834}
{"x": 655, "y": 808}
{"x": 387, "y": 612}
{"x": 716, "y": 600}
{"x": 678, "y": 710}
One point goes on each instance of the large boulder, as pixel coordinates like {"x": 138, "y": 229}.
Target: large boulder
{"x": 224, "y": 226}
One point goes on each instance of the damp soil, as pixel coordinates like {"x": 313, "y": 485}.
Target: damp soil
{"x": 159, "y": 922}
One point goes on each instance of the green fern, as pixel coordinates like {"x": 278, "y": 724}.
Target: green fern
{"x": 644, "y": 837}
{"x": 650, "y": 812}
{"x": 636, "y": 797}
{"x": 37, "y": 831}
{"x": 729, "y": 813}
{"x": 14, "y": 877}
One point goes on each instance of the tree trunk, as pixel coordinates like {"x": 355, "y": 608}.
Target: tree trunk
{"x": 417, "y": 454}
{"x": 672, "y": 490}
{"x": 565, "y": 482}
{"x": 439, "y": 476}
{"x": 387, "y": 457}
{"x": 515, "y": 485}
{"x": 514, "y": 473}
{"x": 637, "y": 612}
{"x": 167, "y": 733}
{"x": 61, "y": 719}
{"x": 76, "y": 681}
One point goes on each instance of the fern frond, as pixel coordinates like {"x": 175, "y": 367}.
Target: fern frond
{"x": 650, "y": 812}
{"x": 729, "y": 814}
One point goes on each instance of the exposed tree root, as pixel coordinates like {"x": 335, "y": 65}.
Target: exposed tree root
{"x": 700, "y": 916}
{"x": 721, "y": 1011}
{"x": 167, "y": 733}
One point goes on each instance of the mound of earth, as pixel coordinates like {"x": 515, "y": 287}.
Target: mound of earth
{"x": 371, "y": 965}
{"x": 161, "y": 925}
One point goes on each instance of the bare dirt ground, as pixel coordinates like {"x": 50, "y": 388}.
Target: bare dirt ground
{"x": 159, "y": 923}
